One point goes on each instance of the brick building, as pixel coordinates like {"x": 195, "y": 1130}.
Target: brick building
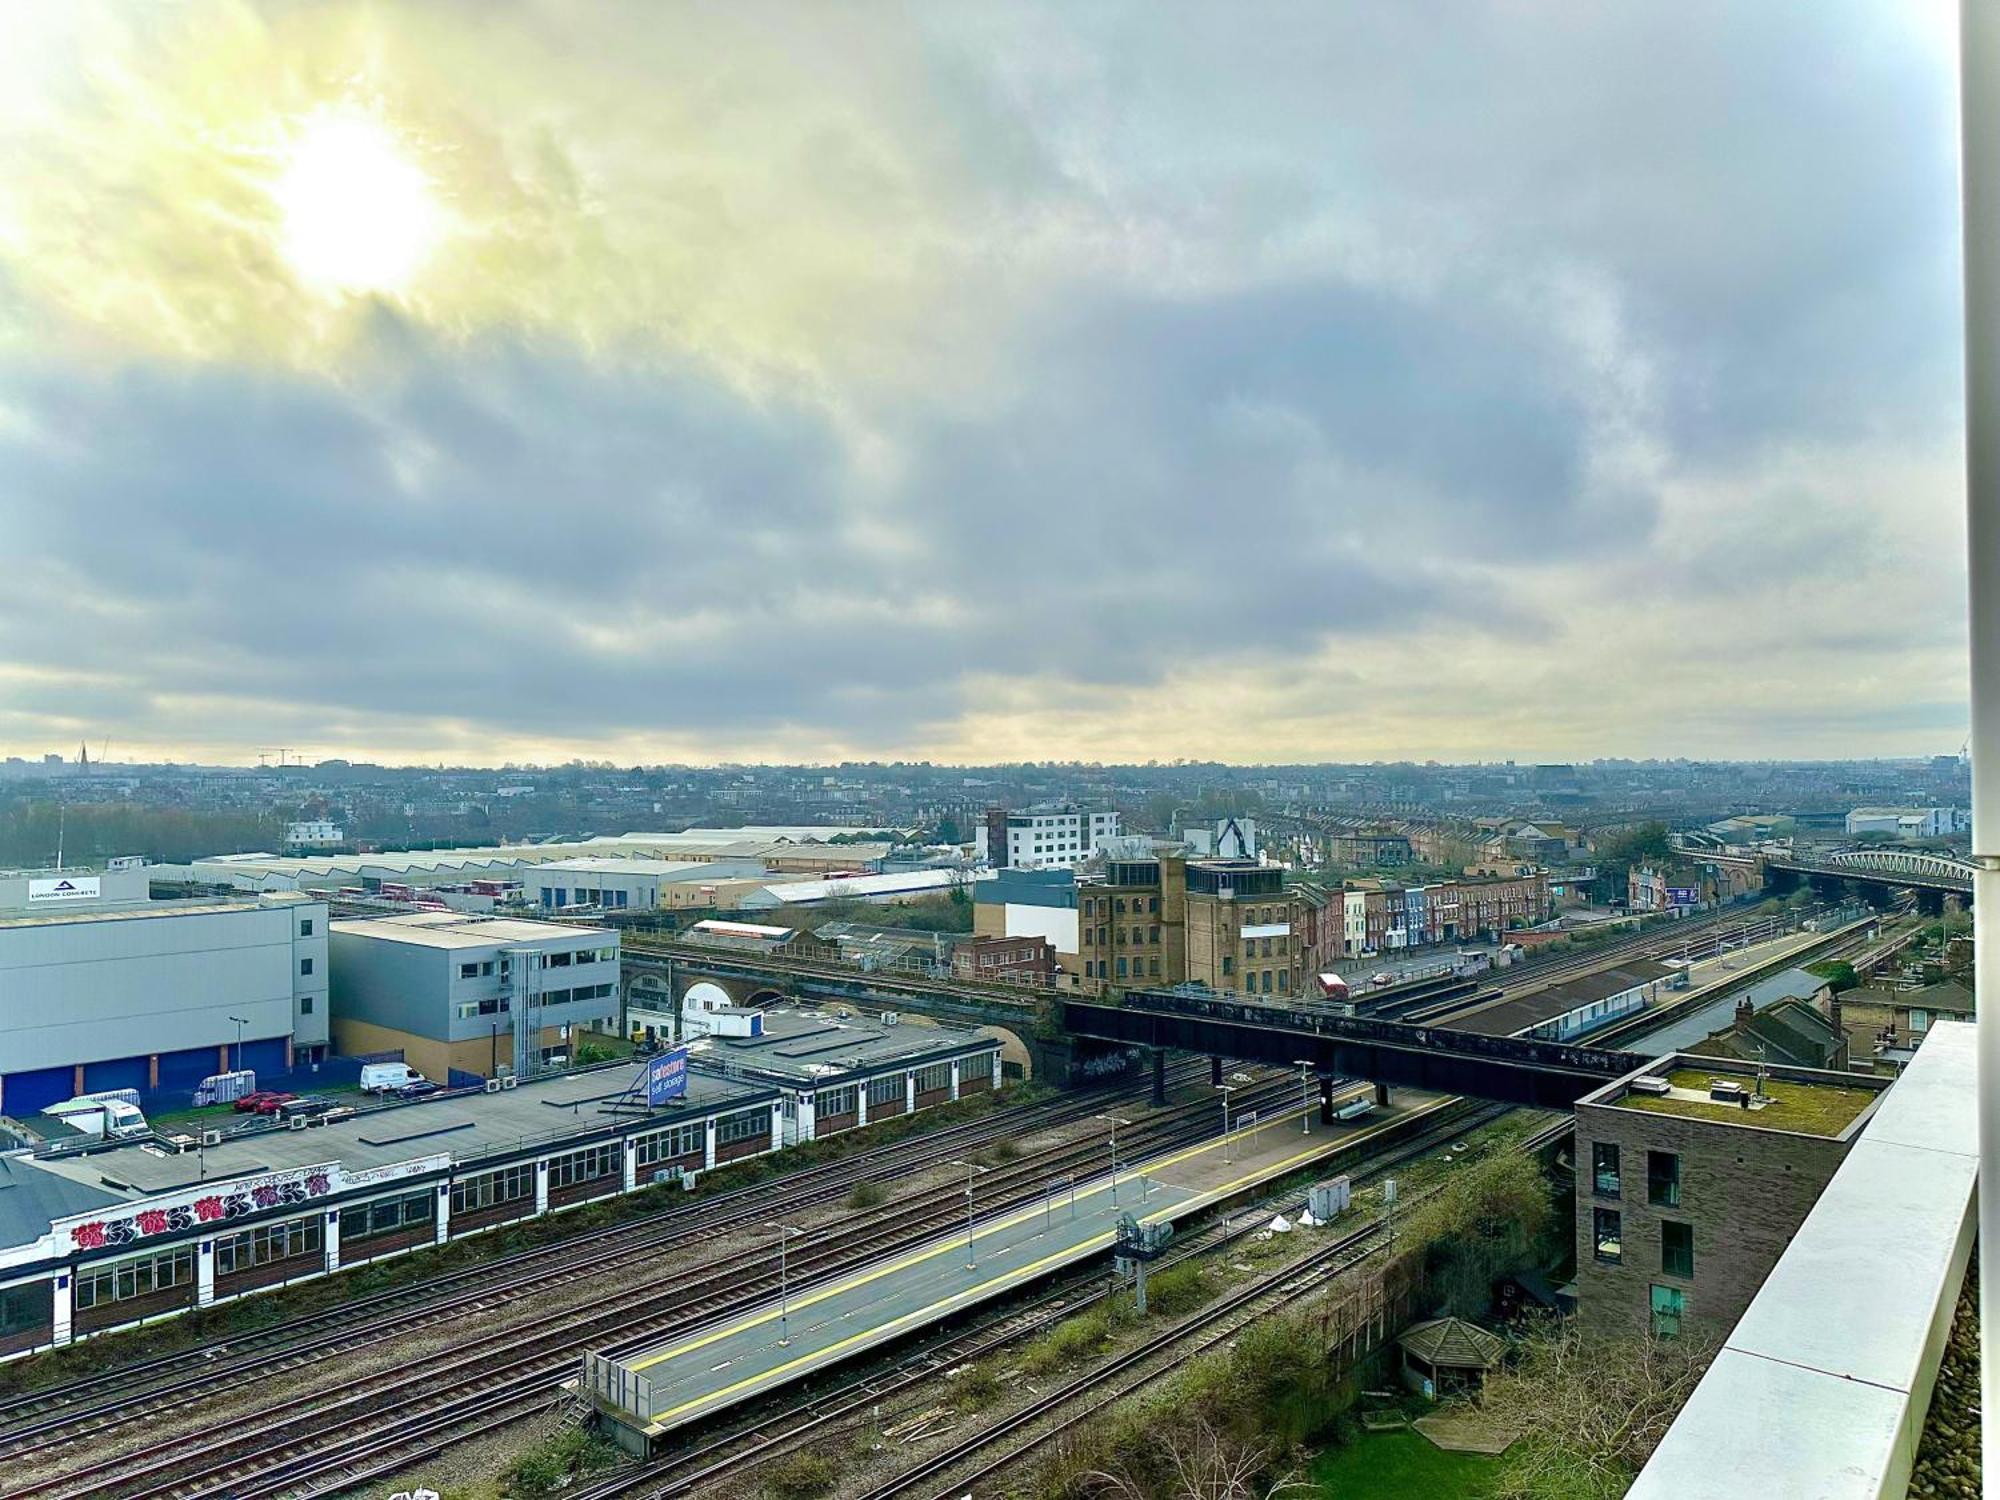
{"x": 1006, "y": 960}
{"x": 1690, "y": 1185}
{"x": 1229, "y": 924}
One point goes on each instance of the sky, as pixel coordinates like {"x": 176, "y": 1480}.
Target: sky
{"x": 682, "y": 382}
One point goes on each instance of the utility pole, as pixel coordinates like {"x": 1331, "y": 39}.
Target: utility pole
{"x": 1114, "y": 1122}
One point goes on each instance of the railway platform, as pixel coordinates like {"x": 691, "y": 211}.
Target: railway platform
{"x": 644, "y": 1393}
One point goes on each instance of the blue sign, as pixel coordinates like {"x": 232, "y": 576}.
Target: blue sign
{"x": 1681, "y": 895}
{"x": 667, "y": 1076}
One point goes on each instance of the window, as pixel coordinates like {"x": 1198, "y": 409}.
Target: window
{"x": 584, "y": 1166}
{"x": 556, "y": 960}
{"x": 305, "y": 1005}
{"x": 1920, "y": 1020}
{"x": 135, "y": 1278}
{"x": 259, "y": 1247}
{"x": 1663, "y": 1179}
{"x": 1669, "y": 1307}
{"x": 468, "y": 971}
{"x": 491, "y": 1189}
{"x": 305, "y": 966}
{"x": 840, "y": 1101}
{"x": 1121, "y": 906}
{"x": 1676, "y": 1249}
{"x": 1155, "y": 932}
{"x": 305, "y": 927}
{"x": 24, "y": 1307}
{"x": 1228, "y": 964}
{"x": 667, "y": 1145}
{"x": 938, "y": 1075}
{"x": 1284, "y": 981}
{"x": 364, "y": 1221}
{"x": 1604, "y": 1178}
{"x": 749, "y": 1125}
{"x": 1267, "y": 981}
{"x": 1153, "y": 965}
{"x": 885, "y": 1090}
{"x": 1121, "y": 966}
{"x": 1607, "y": 1235}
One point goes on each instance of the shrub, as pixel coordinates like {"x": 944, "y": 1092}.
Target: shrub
{"x": 551, "y": 1464}
{"x": 1179, "y": 1289}
{"x": 867, "y": 1195}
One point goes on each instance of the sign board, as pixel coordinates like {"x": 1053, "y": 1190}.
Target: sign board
{"x": 66, "y": 888}
{"x": 218, "y": 1203}
{"x": 667, "y": 1076}
{"x": 1681, "y": 895}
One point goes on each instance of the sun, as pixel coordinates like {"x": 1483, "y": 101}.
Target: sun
{"x": 359, "y": 215}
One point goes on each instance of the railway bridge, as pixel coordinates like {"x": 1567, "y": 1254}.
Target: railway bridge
{"x": 1546, "y": 1075}
{"x": 658, "y": 974}
{"x": 1932, "y": 876}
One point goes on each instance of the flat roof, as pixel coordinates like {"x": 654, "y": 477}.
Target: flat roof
{"x": 611, "y": 864}
{"x": 466, "y": 1127}
{"x": 143, "y": 909}
{"x": 1803, "y": 1106}
{"x": 799, "y": 1044}
{"x": 453, "y": 929}
{"x": 789, "y": 892}
{"x": 1507, "y": 1017}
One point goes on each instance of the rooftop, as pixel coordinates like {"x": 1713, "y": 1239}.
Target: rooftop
{"x": 1517, "y": 1014}
{"x": 799, "y": 1045}
{"x": 1804, "y": 1108}
{"x": 465, "y": 1127}
{"x": 146, "y": 909}
{"x": 451, "y": 929}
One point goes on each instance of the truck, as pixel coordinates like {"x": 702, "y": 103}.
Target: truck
{"x": 387, "y": 1078}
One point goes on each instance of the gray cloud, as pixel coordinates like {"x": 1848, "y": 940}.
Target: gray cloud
{"x": 1294, "y": 335}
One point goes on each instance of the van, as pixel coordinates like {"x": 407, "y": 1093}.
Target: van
{"x": 383, "y": 1078}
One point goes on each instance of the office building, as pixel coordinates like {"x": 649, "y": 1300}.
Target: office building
{"x": 1042, "y": 839}
{"x": 447, "y": 990}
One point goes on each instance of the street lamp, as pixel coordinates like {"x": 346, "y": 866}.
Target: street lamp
{"x": 1225, "y": 1089}
{"x": 240, "y": 1024}
{"x": 972, "y": 1168}
{"x": 785, "y": 1233}
{"x": 1114, "y": 1122}
{"x": 1305, "y": 1093}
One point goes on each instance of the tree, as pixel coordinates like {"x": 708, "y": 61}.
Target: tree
{"x": 947, "y": 830}
{"x": 1589, "y": 1408}
{"x": 1483, "y": 1224}
{"x": 1202, "y": 1462}
{"x": 1837, "y": 972}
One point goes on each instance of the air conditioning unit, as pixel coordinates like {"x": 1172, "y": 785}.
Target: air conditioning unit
{"x": 892, "y": 1017}
{"x": 492, "y": 1085}
{"x": 664, "y": 1174}
{"x": 1650, "y": 1085}
{"x": 211, "y": 1138}
{"x": 299, "y": 1122}
{"x": 509, "y": 1081}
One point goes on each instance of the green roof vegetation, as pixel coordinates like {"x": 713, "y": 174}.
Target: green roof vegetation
{"x": 1806, "y": 1108}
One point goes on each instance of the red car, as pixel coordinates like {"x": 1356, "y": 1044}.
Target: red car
{"x": 253, "y": 1103}
{"x": 268, "y": 1104}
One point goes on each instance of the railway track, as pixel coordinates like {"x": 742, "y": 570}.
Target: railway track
{"x": 519, "y": 1369}
{"x": 1076, "y": 1401}
{"x": 35, "y": 1415}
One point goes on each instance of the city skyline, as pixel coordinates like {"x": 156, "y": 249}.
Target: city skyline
{"x": 419, "y": 384}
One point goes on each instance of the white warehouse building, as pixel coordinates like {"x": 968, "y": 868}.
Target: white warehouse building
{"x": 102, "y": 988}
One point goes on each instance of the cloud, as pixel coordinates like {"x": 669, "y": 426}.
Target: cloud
{"x": 977, "y": 383}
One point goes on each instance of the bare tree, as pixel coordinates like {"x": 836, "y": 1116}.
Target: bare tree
{"x": 1590, "y": 1409}
{"x": 1203, "y": 1463}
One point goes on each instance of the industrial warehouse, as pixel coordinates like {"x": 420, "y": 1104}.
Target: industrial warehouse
{"x": 97, "y": 1235}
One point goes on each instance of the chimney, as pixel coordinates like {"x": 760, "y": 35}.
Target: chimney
{"x": 1744, "y": 1012}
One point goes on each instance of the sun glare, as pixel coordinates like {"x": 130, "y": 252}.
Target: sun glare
{"x": 358, "y": 214}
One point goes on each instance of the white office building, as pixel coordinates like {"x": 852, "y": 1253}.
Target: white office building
{"x": 1056, "y": 839}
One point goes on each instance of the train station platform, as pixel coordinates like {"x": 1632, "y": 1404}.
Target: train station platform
{"x": 647, "y": 1392}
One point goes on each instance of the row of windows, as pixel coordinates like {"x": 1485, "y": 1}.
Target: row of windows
{"x": 490, "y": 1189}
{"x": 1663, "y": 1175}
{"x": 585, "y": 1165}
{"x": 136, "y": 1278}
{"x": 887, "y": 1089}
{"x": 565, "y": 997}
{"x": 840, "y": 1101}
{"x": 748, "y": 1125}
{"x": 365, "y": 1221}
{"x": 671, "y": 1145}
{"x": 258, "y": 1247}
{"x": 1676, "y": 1242}
{"x": 24, "y": 1308}
{"x": 936, "y": 1076}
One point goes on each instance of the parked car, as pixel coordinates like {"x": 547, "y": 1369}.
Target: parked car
{"x": 251, "y": 1103}
{"x": 311, "y": 1106}
{"x": 417, "y": 1089}
{"x": 1385, "y": 977}
{"x": 271, "y": 1103}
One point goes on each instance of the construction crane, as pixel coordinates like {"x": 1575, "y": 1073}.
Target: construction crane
{"x": 281, "y": 751}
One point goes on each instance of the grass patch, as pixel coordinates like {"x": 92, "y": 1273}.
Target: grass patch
{"x": 867, "y": 1195}
{"x": 1180, "y": 1289}
{"x": 973, "y": 1388}
{"x": 1401, "y": 1466}
{"x": 1074, "y": 1340}
{"x": 802, "y": 1476}
{"x": 550, "y": 1465}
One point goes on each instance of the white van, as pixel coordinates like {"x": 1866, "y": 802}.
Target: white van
{"x": 386, "y": 1078}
